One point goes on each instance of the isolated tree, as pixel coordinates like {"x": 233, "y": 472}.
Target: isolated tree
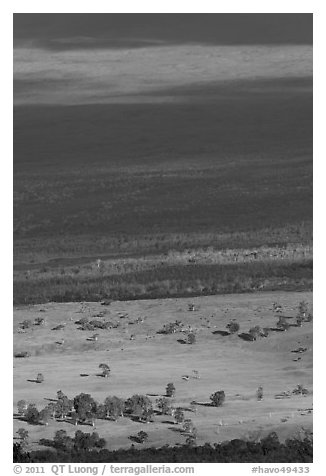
{"x": 179, "y": 415}
{"x": 85, "y": 406}
{"x": 22, "y": 407}
{"x": 164, "y": 405}
{"x": 170, "y": 390}
{"x": 217, "y": 398}
{"x": 40, "y": 378}
{"x": 105, "y": 370}
{"x": 260, "y": 393}
{"x": 233, "y": 327}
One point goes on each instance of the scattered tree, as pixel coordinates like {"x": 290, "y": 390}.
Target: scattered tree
{"x": 85, "y": 406}
{"x": 303, "y": 309}
{"x": 164, "y": 405}
{"x": 191, "y": 338}
{"x": 22, "y": 433}
{"x": 44, "y": 416}
{"x": 217, "y": 398}
{"x": 40, "y": 378}
{"x": 170, "y": 390}
{"x": 179, "y": 415}
{"x": 139, "y": 405}
{"x": 142, "y": 436}
{"x": 63, "y": 407}
{"x": 233, "y": 327}
{"x": 282, "y": 323}
{"x": 105, "y": 370}
{"x": 189, "y": 428}
{"x": 114, "y": 407}
{"x": 260, "y": 393}
{"x": 22, "y": 407}
{"x": 309, "y": 317}
{"x": 32, "y": 414}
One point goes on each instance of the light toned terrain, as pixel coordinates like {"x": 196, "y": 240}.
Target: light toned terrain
{"x": 145, "y": 365}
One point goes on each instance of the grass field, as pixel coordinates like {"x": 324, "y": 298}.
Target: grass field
{"x": 224, "y": 363}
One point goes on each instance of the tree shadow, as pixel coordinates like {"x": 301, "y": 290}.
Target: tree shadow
{"x": 135, "y": 439}
{"x": 181, "y": 341}
{"x": 203, "y": 404}
{"x": 247, "y": 337}
{"x": 222, "y": 333}
{"x": 33, "y": 380}
{"x": 50, "y": 399}
{"x": 169, "y": 422}
{"x": 84, "y": 375}
{"x": 176, "y": 429}
{"x": 34, "y": 423}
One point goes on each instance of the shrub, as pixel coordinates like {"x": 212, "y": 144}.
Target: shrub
{"x": 217, "y": 398}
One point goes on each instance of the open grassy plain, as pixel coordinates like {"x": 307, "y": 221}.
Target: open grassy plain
{"x": 147, "y": 363}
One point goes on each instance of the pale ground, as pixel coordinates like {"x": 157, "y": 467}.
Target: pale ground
{"x": 148, "y": 363}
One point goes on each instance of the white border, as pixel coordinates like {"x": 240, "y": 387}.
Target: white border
{"x": 168, "y": 6}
